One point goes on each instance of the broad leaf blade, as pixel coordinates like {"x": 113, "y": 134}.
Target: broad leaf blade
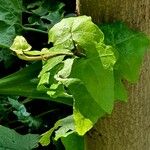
{"x": 96, "y": 79}
{"x": 131, "y": 46}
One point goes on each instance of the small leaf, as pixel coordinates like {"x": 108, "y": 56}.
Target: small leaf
{"x": 45, "y": 139}
{"x": 82, "y": 124}
{"x": 66, "y": 127}
{"x": 107, "y": 55}
{"x": 20, "y": 44}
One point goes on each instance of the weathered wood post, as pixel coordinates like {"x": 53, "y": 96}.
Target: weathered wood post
{"x": 128, "y": 128}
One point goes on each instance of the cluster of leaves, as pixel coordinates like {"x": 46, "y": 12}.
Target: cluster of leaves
{"x": 84, "y": 69}
{"x": 22, "y": 17}
{"x": 88, "y": 71}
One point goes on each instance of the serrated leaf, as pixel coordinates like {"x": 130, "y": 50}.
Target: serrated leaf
{"x": 22, "y": 114}
{"x": 44, "y": 14}
{"x": 73, "y": 141}
{"x": 9, "y": 139}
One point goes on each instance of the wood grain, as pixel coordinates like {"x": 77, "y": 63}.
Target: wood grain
{"x": 128, "y": 128}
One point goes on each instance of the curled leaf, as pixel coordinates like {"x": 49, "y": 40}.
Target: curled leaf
{"x": 20, "y": 44}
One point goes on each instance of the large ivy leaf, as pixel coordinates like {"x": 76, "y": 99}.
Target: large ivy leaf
{"x": 95, "y": 79}
{"x": 131, "y": 46}
{"x": 9, "y": 139}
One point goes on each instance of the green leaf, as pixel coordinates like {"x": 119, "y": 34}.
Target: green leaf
{"x": 10, "y": 11}
{"x": 22, "y": 114}
{"x": 20, "y": 44}
{"x": 83, "y": 100}
{"x": 66, "y": 127}
{"x": 121, "y": 93}
{"x": 9, "y": 139}
{"x": 82, "y": 124}
{"x": 45, "y": 139}
{"x": 131, "y": 46}
{"x": 73, "y": 141}
{"x": 95, "y": 79}
{"x": 75, "y": 30}
{"x": 108, "y": 55}
{"x": 10, "y": 14}
{"x": 24, "y": 83}
{"x": 44, "y": 14}
{"x": 7, "y": 33}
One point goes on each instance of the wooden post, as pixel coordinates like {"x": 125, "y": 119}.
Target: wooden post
{"x": 128, "y": 128}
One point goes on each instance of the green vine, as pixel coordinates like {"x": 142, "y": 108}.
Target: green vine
{"x": 86, "y": 64}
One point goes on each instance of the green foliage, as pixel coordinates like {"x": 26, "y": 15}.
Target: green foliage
{"x": 24, "y": 83}
{"x": 131, "y": 46}
{"x": 10, "y": 14}
{"x": 84, "y": 69}
{"x": 94, "y": 75}
{"x": 66, "y": 127}
{"x": 44, "y": 14}
{"x": 21, "y": 112}
{"x": 9, "y": 139}
{"x": 73, "y": 141}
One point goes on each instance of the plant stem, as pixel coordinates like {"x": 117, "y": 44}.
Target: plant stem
{"x": 42, "y": 57}
{"x": 34, "y": 30}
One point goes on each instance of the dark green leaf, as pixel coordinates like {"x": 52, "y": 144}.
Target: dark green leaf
{"x": 10, "y": 14}
{"x": 11, "y": 140}
{"x": 131, "y": 46}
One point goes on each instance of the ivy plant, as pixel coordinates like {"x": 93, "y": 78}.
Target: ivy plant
{"x": 85, "y": 68}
